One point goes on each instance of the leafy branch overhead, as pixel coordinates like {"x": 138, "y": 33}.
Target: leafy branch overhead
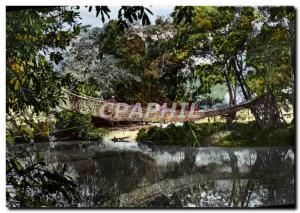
{"x": 183, "y": 14}
{"x": 125, "y": 14}
{"x": 36, "y": 36}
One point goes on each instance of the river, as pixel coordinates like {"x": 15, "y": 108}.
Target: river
{"x": 122, "y": 174}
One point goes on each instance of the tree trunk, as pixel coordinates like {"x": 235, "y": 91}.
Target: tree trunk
{"x": 266, "y": 111}
{"x": 231, "y": 116}
{"x": 230, "y": 90}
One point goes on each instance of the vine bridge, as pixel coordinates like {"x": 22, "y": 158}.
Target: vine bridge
{"x": 91, "y": 105}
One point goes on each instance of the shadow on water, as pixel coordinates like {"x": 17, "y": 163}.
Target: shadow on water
{"x": 130, "y": 175}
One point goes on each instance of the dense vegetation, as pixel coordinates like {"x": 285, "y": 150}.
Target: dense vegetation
{"x": 185, "y": 58}
{"x": 35, "y": 41}
{"x": 193, "y": 56}
{"x": 217, "y": 134}
{"x": 198, "y": 54}
{"x": 76, "y": 126}
{"x": 34, "y": 185}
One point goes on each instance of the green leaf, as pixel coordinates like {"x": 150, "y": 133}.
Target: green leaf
{"x": 17, "y": 85}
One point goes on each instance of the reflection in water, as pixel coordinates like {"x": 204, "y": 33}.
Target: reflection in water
{"x": 226, "y": 193}
{"x": 131, "y": 175}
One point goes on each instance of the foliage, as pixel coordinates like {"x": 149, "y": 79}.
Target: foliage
{"x": 149, "y": 54}
{"x": 34, "y": 40}
{"x": 95, "y": 133}
{"x": 273, "y": 64}
{"x": 222, "y": 36}
{"x": 233, "y": 43}
{"x": 183, "y": 13}
{"x": 76, "y": 126}
{"x": 195, "y": 135}
{"x": 126, "y": 15}
{"x": 189, "y": 134}
{"x": 32, "y": 184}
{"x": 249, "y": 135}
{"x": 191, "y": 87}
{"x": 28, "y": 127}
{"x": 65, "y": 125}
{"x": 88, "y": 87}
{"x": 93, "y": 74}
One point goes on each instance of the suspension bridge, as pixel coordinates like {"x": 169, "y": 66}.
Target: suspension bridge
{"x": 106, "y": 110}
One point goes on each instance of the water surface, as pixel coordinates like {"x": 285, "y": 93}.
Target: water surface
{"x": 133, "y": 175}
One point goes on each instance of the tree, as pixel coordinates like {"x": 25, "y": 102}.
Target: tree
{"x": 148, "y": 53}
{"x": 34, "y": 41}
{"x": 206, "y": 33}
{"x": 284, "y": 18}
{"x": 126, "y": 15}
{"x": 93, "y": 74}
{"x": 230, "y": 32}
{"x": 214, "y": 39}
{"x": 272, "y": 63}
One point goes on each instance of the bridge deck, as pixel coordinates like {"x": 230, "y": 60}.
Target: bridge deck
{"x": 91, "y": 105}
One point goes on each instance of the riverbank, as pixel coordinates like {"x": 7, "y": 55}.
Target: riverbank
{"x": 218, "y": 134}
{"x": 209, "y": 132}
{"x": 127, "y": 134}
{"x": 204, "y": 135}
{"x": 130, "y": 133}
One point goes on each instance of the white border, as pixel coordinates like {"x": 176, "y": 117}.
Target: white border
{"x": 150, "y": 2}
{"x": 3, "y": 3}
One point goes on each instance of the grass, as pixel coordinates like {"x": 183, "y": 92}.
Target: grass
{"x": 246, "y": 135}
{"x": 217, "y": 134}
{"x": 188, "y": 134}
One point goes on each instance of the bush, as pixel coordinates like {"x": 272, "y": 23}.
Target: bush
{"x": 32, "y": 184}
{"x": 95, "y": 134}
{"x": 27, "y": 131}
{"x": 76, "y": 126}
{"x": 249, "y": 135}
{"x": 193, "y": 135}
{"x": 142, "y": 135}
{"x": 190, "y": 134}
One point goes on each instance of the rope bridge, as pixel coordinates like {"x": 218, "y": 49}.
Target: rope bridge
{"x": 91, "y": 105}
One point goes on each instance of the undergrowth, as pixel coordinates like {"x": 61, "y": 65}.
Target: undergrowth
{"x": 217, "y": 134}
